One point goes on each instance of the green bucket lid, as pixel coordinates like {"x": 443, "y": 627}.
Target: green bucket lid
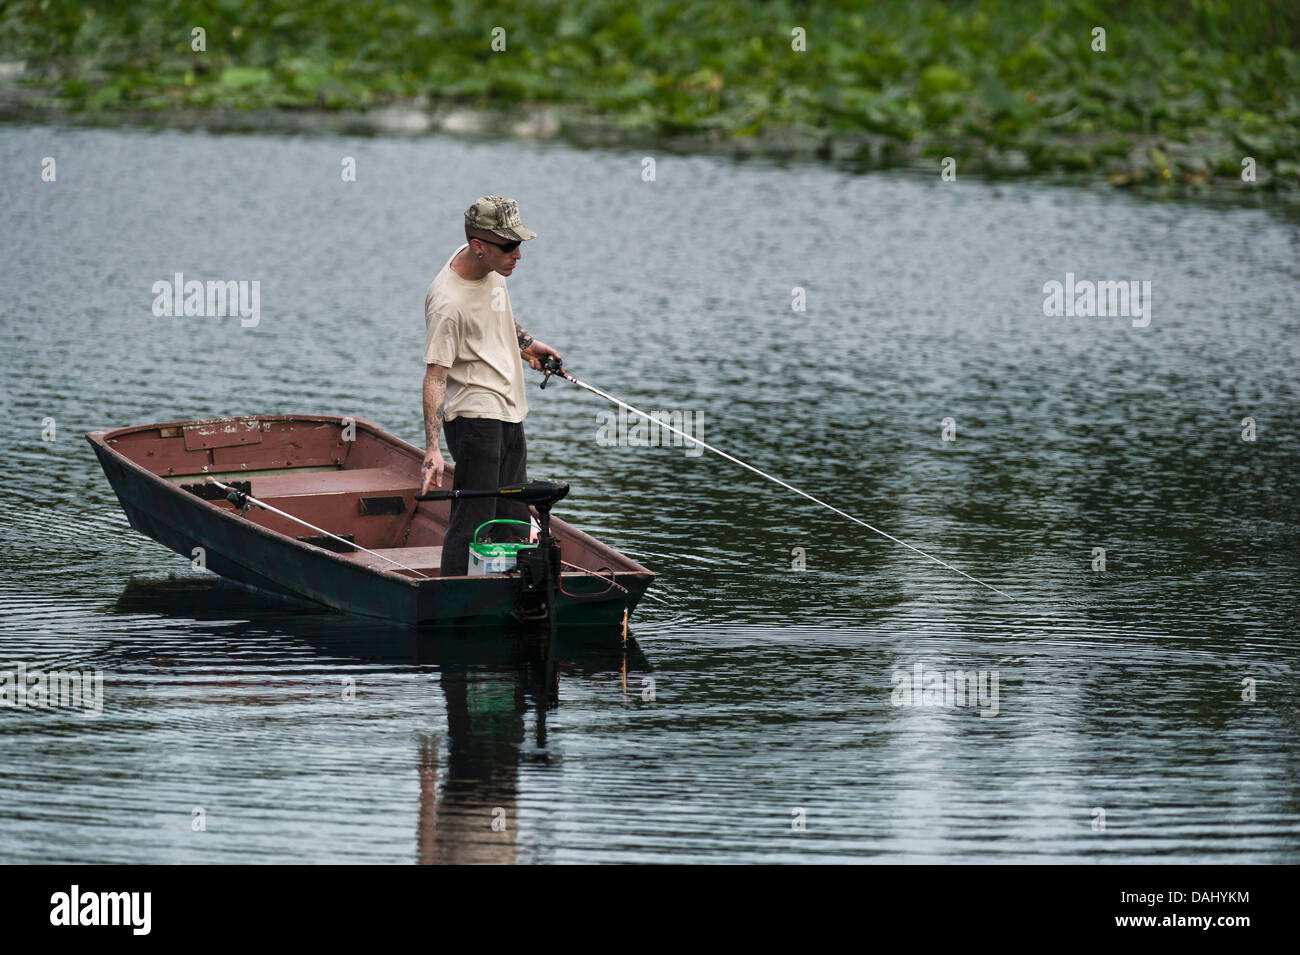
{"x": 500, "y": 550}
{"x": 490, "y": 549}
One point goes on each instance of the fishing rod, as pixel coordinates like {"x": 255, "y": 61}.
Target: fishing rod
{"x": 552, "y": 366}
{"x": 242, "y": 500}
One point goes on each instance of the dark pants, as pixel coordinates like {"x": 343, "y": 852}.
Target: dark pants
{"x": 488, "y": 454}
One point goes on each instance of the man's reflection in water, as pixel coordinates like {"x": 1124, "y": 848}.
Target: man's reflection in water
{"x": 490, "y": 681}
{"x": 473, "y": 820}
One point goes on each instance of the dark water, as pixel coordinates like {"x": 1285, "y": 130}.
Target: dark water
{"x": 774, "y": 689}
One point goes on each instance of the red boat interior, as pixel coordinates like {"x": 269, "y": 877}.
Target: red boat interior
{"x": 344, "y": 476}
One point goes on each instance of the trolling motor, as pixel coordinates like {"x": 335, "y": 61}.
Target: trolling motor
{"x": 538, "y": 567}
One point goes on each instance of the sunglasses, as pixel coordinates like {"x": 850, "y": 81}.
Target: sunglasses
{"x": 503, "y": 246}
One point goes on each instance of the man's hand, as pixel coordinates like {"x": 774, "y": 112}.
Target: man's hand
{"x": 432, "y": 469}
{"x": 535, "y": 352}
{"x": 435, "y": 390}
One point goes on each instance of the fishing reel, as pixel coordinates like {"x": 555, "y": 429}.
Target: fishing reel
{"x": 551, "y": 366}
{"x": 238, "y": 493}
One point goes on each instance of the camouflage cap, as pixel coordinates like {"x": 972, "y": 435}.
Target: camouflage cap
{"x": 498, "y": 215}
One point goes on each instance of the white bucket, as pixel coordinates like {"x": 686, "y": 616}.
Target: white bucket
{"x": 490, "y": 558}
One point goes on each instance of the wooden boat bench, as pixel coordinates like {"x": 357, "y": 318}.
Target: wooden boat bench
{"x": 427, "y": 560}
{"x": 374, "y": 504}
{"x": 370, "y": 482}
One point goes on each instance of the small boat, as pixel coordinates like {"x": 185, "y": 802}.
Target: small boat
{"x": 350, "y": 478}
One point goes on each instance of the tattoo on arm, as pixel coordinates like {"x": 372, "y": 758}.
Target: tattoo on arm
{"x": 525, "y": 340}
{"x": 435, "y": 392}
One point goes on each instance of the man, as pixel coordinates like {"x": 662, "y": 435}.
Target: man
{"x": 473, "y": 378}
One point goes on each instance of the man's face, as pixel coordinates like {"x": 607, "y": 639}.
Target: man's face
{"x": 497, "y": 258}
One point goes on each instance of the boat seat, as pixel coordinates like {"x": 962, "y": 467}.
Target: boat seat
{"x": 375, "y": 505}
{"x": 425, "y": 559}
{"x": 367, "y": 481}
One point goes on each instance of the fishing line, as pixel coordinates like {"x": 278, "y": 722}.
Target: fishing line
{"x": 552, "y": 367}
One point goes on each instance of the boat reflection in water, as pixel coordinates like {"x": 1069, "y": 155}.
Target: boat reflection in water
{"x": 492, "y": 681}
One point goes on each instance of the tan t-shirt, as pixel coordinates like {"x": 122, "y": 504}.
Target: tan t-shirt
{"x": 476, "y": 343}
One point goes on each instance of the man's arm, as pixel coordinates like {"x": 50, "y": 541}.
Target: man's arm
{"x": 521, "y": 333}
{"x": 435, "y": 393}
{"x": 533, "y": 350}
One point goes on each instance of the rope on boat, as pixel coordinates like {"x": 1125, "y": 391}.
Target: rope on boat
{"x": 598, "y": 575}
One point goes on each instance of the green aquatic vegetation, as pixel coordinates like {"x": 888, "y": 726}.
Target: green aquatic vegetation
{"x": 988, "y": 81}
